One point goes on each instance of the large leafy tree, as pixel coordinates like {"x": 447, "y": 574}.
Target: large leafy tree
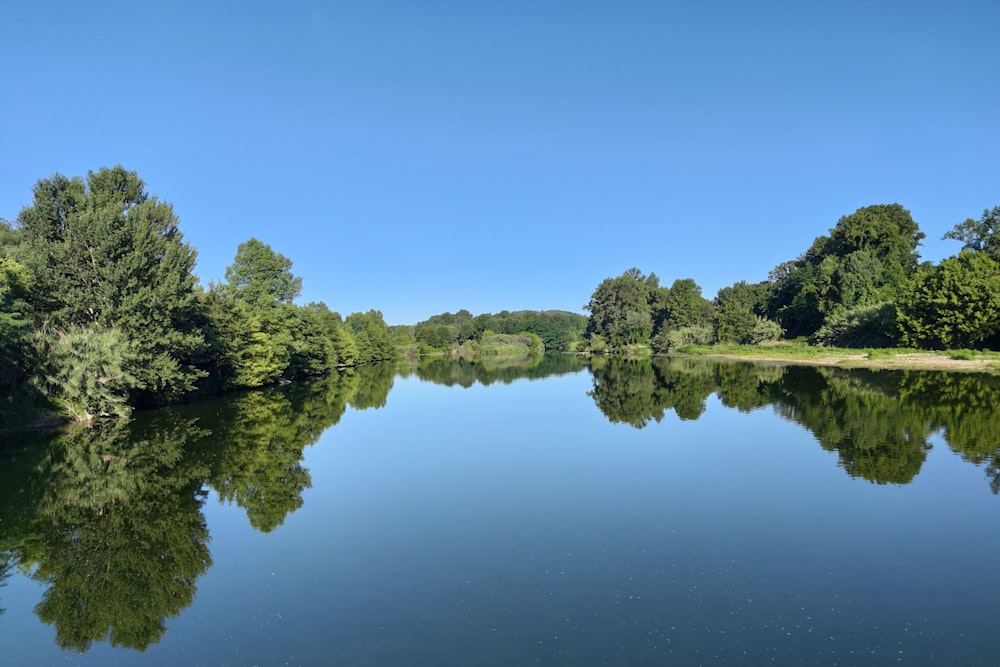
{"x": 260, "y": 276}
{"x": 620, "y": 308}
{"x": 887, "y": 231}
{"x": 261, "y": 334}
{"x": 104, "y": 254}
{"x": 866, "y": 258}
{"x": 684, "y": 306}
{"x": 953, "y": 305}
{"x": 738, "y": 308}
{"x": 372, "y": 337}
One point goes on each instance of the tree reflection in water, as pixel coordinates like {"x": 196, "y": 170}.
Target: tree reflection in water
{"x": 879, "y": 423}
{"x": 119, "y": 537}
{"x": 109, "y": 517}
{"x": 467, "y": 372}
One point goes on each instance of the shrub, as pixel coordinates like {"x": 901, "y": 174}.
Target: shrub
{"x": 861, "y": 327}
{"x": 87, "y": 371}
{"x": 764, "y": 331}
{"x": 671, "y": 339}
{"x": 597, "y": 344}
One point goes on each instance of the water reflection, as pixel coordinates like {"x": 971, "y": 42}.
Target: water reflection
{"x": 878, "y": 422}
{"x": 467, "y": 372}
{"x": 118, "y": 538}
{"x": 635, "y": 392}
{"x": 110, "y": 518}
{"x": 6, "y": 565}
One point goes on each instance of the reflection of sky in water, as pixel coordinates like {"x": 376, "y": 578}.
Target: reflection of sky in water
{"x": 511, "y": 524}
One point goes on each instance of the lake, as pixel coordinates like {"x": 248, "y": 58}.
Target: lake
{"x": 675, "y": 512}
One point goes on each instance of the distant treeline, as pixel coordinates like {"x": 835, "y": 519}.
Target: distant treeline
{"x": 100, "y": 311}
{"x": 862, "y": 285}
{"x": 555, "y": 330}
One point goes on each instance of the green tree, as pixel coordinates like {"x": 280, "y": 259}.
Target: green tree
{"x": 684, "y": 306}
{"x": 620, "y": 310}
{"x": 341, "y": 336}
{"x": 737, "y": 308}
{"x": 857, "y": 279}
{"x": 861, "y": 327}
{"x": 953, "y": 305}
{"x": 434, "y": 336}
{"x": 313, "y": 350}
{"x": 372, "y": 336}
{"x": 260, "y": 276}
{"x": 979, "y": 235}
{"x": 103, "y": 252}
{"x": 866, "y": 258}
{"x": 887, "y": 232}
{"x": 252, "y": 345}
{"x": 260, "y": 334}
{"x": 15, "y": 327}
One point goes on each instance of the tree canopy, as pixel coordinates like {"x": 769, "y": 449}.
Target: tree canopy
{"x": 105, "y": 255}
{"x": 101, "y": 312}
{"x": 260, "y": 276}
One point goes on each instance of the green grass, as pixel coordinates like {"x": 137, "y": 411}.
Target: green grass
{"x": 800, "y": 350}
{"x": 985, "y": 355}
{"x": 785, "y": 350}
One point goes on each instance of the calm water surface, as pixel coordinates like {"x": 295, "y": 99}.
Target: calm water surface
{"x": 679, "y": 512}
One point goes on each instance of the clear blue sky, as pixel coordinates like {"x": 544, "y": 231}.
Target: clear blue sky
{"x": 423, "y": 156}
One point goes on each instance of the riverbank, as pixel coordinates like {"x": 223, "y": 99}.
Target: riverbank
{"x": 961, "y": 361}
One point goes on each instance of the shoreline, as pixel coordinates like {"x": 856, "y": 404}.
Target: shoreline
{"x": 917, "y": 361}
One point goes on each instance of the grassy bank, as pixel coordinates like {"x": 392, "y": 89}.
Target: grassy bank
{"x": 973, "y": 361}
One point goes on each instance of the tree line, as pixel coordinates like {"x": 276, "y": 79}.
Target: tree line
{"x": 860, "y": 285}
{"x": 556, "y": 330}
{"x": 100, "y": 311}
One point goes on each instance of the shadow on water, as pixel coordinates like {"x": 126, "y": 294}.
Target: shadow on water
{"x": 878, "y": 422}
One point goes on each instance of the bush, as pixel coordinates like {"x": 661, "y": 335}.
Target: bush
{"x": 764, "y": 331}
{"x": 596, "y": 344}
{"x": 87, "y": 371}
{"x": 861, "y": 327}
{"x": 668, "y": 340}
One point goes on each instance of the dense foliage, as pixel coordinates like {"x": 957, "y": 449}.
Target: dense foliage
{"x": 100, "y": 311}
{"x": 557, "y": 330}
{"x": 634, "y": 310}
{"x": 861, "y": 285}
